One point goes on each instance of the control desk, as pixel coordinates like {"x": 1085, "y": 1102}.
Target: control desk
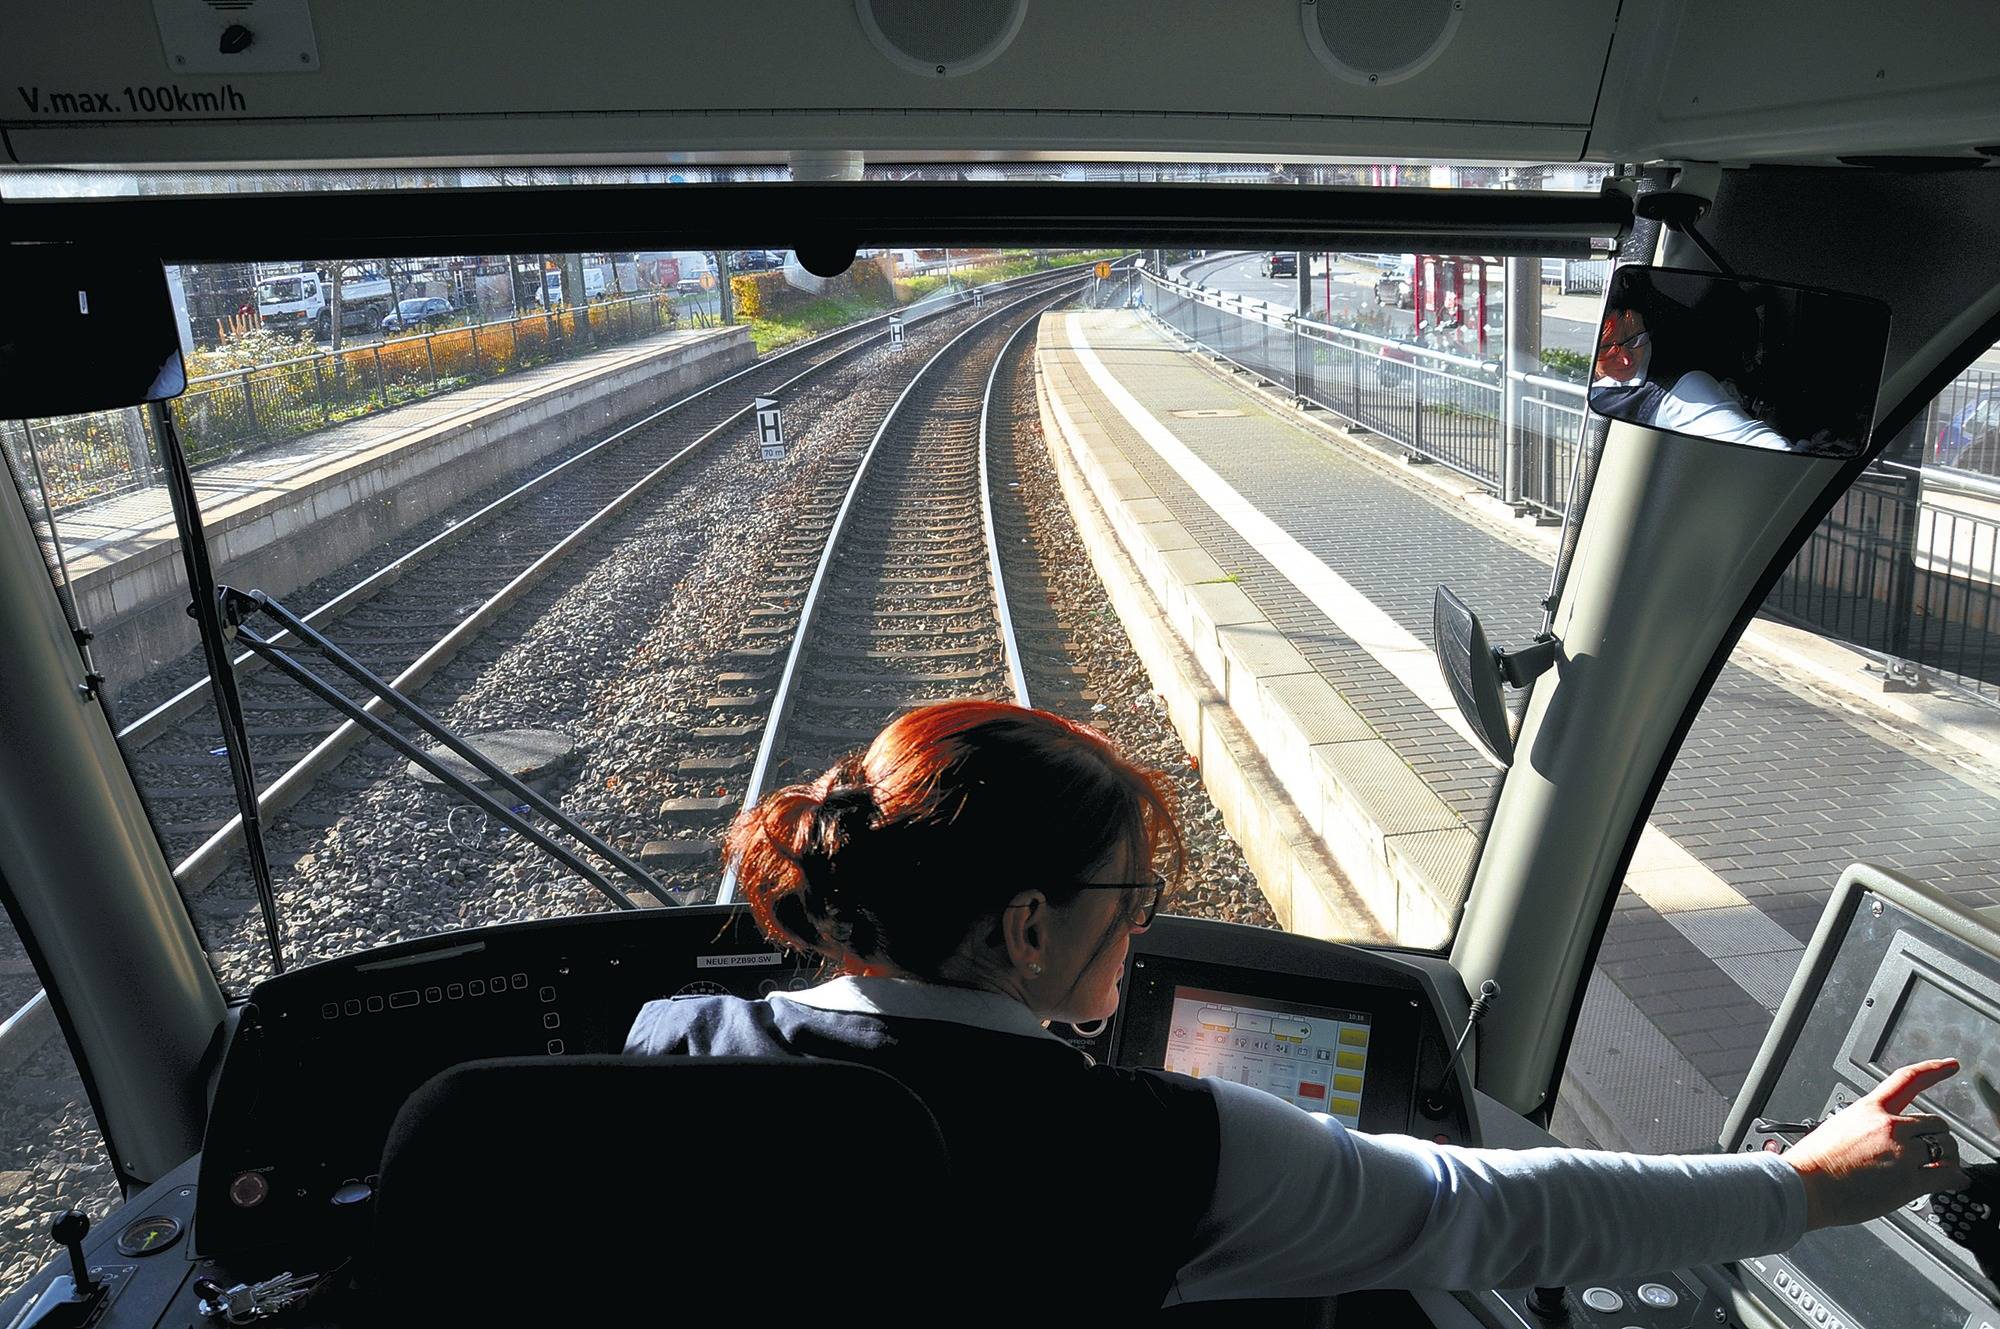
{"x": 320, "y": 1060}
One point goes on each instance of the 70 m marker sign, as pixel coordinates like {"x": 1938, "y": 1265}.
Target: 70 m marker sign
{"x": 770, "y": 429}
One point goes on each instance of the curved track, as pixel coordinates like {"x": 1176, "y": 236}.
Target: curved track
{"x": 908, "y": 601}
{"x": 406, "y": 628}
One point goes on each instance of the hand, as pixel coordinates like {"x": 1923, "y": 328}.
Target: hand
{"x": 1869, "y": 1158}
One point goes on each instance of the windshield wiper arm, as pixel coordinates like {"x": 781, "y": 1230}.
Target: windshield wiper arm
{"x": 206, "y": 611}
{"x": 233, "y": 606}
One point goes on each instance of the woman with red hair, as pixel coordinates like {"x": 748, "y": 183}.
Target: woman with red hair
{"x": 980, "y": 870}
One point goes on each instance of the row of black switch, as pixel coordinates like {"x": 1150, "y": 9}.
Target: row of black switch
{"x": 408, "y": 997}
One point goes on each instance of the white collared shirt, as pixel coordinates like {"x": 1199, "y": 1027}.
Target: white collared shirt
{"x": 1304, "y": 1207}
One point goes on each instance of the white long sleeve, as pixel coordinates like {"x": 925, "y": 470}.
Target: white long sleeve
{"x": 1305, "y": 1207}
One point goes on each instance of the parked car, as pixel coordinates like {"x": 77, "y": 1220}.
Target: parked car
{"x": 1279, "y": 265}
{"x": 425, "y": 312}
{"x": 755, "y": 260}
{"x": 1396, "y": 288}
{"x": 1970, "y": 438}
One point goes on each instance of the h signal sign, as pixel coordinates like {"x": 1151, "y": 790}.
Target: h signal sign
{"x": 770, "y": 429}
{"x": 895, "y": 332}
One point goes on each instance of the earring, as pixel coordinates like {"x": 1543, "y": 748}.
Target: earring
{"x": 1034, "y": 969}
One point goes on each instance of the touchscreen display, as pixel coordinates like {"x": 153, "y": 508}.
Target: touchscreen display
{"x": 1310, "y": 1056}
{"x": 1936, "y": 1019}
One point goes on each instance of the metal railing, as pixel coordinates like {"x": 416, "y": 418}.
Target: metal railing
{"x": 1906, "y": 565}
{"x": 91, "y": 457}
{"x": 1436, "y": 405}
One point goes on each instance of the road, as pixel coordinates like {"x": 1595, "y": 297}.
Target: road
{"x": 1353, "y": 290}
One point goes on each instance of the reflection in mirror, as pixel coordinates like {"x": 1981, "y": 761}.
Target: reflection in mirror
{"x": 1758, "y": 363}
{"x": 84, "y": 330}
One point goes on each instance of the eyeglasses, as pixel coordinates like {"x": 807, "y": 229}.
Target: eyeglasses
{"x": 1631, "y": 343}
{"x": 1148, "y": 901}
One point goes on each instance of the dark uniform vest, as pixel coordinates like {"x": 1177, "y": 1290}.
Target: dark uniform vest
{"x": 1089, "y": 1179}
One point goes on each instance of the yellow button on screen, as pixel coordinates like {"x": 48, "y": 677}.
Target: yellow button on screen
{"x": 1352, "y": 1061}
{"x": 1347, "y": 1084}
{"x": 1355, "y": 1038}
{"x": 1343, "y": 1107}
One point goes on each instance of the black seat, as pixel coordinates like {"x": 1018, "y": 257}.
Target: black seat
{"x": 632, "y": 1191}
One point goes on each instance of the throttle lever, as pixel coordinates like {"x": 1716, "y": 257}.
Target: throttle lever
{"x": 71, "y": 1300}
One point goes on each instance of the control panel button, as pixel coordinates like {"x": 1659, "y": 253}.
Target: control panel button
{"x": 547, "y": 993}
{"x": 1603, "y": 1299}
{"x": 1658, "y": 1295}
{"x": 550, "y": 1020}
{"x": 555, "y": 1047}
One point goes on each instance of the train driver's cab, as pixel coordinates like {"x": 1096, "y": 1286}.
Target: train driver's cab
{"x": 1575, "y": 677}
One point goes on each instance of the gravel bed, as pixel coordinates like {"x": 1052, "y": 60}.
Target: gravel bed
{"x": 1217, "y": 882}
{"x": 618, "y": 653}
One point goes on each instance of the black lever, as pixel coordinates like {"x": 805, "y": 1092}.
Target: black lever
{"x": 70, "y": 1230}
{"x": 1434, "y": 1101}
{"x": 1548, "y": 1302}
{"x": 71, "y": 1300}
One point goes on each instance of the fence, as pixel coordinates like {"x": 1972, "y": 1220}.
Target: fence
{"x": 1905, "y": 565}
{"x": 1435, "y": 405}
{"x": 88, "y": 457}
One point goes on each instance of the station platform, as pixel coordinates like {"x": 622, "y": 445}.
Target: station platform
{"x": 283, "y": 515}
{"x": 1278, "y": 573}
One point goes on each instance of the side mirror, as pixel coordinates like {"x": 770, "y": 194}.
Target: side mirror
{"x": 1471, "y": 674}
{"x": 1756, "y": 363}
{"x": 1474, "y": 671}
{"x": 84, "y": 330}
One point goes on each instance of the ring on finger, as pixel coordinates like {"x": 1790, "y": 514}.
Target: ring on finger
{"x": 1934, "y": 1147}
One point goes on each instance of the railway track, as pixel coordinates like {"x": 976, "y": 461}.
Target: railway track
{"x": 461, "y": 580}
{"x": 907, "y": 601}
{"x": 935, "y": 608}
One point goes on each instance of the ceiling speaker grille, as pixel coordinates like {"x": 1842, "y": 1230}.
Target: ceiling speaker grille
{"x": 1379, "y": 41}
{"x": 938, "y": 39}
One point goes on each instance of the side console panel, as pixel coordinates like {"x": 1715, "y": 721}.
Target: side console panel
{"x": 1896, "y": 973}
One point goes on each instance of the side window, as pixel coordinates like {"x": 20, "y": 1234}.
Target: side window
{"x": 1855, "y": 721}
{"x": 51, "y": 1155}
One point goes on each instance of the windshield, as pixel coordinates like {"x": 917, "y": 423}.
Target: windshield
{"x": 641, "y": 675}
{"x": 603, "y": 596}
{"x": 272, "y": 292}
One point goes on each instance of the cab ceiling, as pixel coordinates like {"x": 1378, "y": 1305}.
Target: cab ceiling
{"x": 121, "y": 83}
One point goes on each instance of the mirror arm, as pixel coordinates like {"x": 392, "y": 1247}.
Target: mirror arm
{"x": 1524, "y": 666}
{"x": 1679, "y": 212}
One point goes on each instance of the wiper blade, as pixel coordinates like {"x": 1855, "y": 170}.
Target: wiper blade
{"x": 235, "y": 605}
{"x": 207, "y": 611}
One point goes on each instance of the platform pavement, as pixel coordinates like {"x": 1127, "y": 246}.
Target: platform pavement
{"x": 1791, "y": 770}
{"x": 126, "y": 525}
